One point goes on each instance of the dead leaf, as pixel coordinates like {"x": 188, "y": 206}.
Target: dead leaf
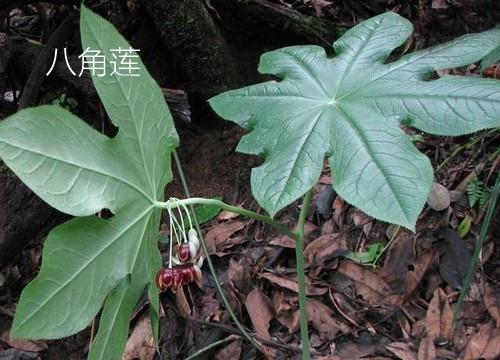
{"x": 261, "y": 311}
{"x": 24, "y": 345}
{"x": 338, "y": 211}
{"x": 322, "y": 319}
{"x": 400, "y": 255}
{"x": 227, "y": 215}
{"x": 320, "y": 248}
{"x": 230, "y": 351}
{"x": 361, "y": 219}
{"x": 140, "y": 345}
{"x": 239, "y": 276}
{"x": 220, "y": 232}
{"x": 492, "y": 302}
{"x": 439, "y": 317}
{"x": 455, "y": 260}
{"x": 402, "y": 350}
{"x": 369, "y": 285}
{"x": 292, "y": 284}
{"x": 426, "y": 350}
{"x": 288, "y": 242}
{"x": 417, "y": 271}
{"x": 484, "y": 344}
{"x": 324, "y": 201}
{"x": 360, "y": 347}
{"x": 182, "y": 303}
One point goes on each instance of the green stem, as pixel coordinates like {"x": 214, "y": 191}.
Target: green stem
{"x": 229, "y": 309}
{"x": 477, "y": 248}
{"x": 174, "y": 203}
{"x": 301, "y": 275}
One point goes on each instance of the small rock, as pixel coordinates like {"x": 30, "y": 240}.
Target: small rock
{"x": 439, "y": 198}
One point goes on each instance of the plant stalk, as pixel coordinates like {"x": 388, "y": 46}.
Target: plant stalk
{"x": 215, "y": 202}
{"x": 301, "y": 276}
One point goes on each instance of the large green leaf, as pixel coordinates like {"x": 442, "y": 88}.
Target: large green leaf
{"x": 89, "y": 261}
{"x": 350, "y": 107}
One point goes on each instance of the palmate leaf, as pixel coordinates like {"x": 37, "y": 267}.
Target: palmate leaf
{"x": 89, "y": 261}
{"x": 350, "y": 107}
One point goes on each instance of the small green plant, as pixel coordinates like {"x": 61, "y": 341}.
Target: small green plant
{"x": 348, "y": 108}
{"x": 477, "y": 193}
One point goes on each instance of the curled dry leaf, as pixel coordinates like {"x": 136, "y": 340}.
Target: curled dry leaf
{"x": 239, "y": 277}
{"x": 261, "y": 311}
{"x": 227, "y": 215}
{"x": 492, "y": 302}
{"x": 484, "y": 344}
{"x": 417, "y": 271}
{"x": 321, "y": 248}
{"x": 292, "y": 284}
{"x": 323, "y": 321}
{"x": 439, "y": 317}
{"x": 220, "y": 233}
{"x": 140, "y": 344}
{"x": 403, "y": 350}
{"x": 288, "y": 242}
{"x": 427, "y": 350}
{"x": 369, "y": 285}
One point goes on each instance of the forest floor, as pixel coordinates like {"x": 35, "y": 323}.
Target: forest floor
{"x": 398, "y": 304}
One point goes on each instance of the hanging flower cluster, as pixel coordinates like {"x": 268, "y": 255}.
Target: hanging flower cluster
{"x": 183, "y": 266}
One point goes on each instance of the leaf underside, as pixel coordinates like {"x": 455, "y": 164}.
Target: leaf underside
{"x": 349, "y": 108}
{"x": 89, "y": 261}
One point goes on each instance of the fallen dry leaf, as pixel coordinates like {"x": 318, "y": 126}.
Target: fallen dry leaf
{"x": 261, "y": 311}
{"x": 402, "y": 350}
{"x": 320, "y": 248}
{"x": 25, "y": 345}
{"x": 360, "y": 347}
{"x": 456, "y": 258}
{"x": 323, "y": 200}
{"x": 484, "y": 344}
{"x": 227, "y": 215}
{"x": 140, "y": 345}
{"x": 230, "y": 351}
{"x": 220, "y": 232}
{"x": 239, "y": 277}
{"x": 323, "y": 321}
{"x": 426, "y": 350}
{"x": 399, "y": 256}
{"x": 292, "y": 284}
{"x": 361, "y": 219}
{"x": 439, "y": 317}
{"x": 288, "y": 242}
{"x": 417, "y": 271}
{"x": 182, "y": 304}
{"x": 492, "y": 302}
{"x": 369, "y": 285}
